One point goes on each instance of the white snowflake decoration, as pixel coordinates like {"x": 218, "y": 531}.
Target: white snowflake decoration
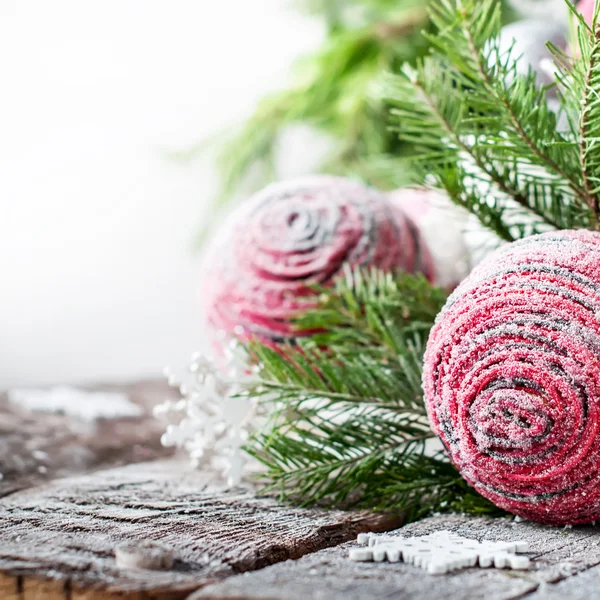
{"x": 440, "y": 552}
{"x": 214, "y": 416}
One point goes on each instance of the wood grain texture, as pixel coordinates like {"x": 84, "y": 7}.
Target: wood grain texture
{"x": 36, "y": 447}
{"x": 557, "y": 555}
{"x": 58, "y": 536}
{"x": 583, "y": 586}
{"x": 66, "y": 532}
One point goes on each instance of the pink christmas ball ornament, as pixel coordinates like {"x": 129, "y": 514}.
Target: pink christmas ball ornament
{"x": 512, "y": 377}
{"x": 258, "y": 271}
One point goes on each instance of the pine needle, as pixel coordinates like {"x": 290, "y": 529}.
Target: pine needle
{"x": 488, "y": 136}
{"x": 347, "y": 424}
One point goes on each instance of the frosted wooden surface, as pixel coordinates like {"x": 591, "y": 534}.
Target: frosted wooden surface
{"x": 558, "y": 555}
{"x": 110, "y": 482}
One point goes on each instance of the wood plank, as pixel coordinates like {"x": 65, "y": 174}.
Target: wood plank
{"x": 67, "y": 531}
{"x": 557, "y": 555}
{"x": 33, "y": 589}
{"x": 583, "y": 586}
{"x": 10, "y": 587}
{"x": 36, "y": 446}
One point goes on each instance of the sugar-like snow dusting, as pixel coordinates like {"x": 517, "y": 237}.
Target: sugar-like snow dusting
{"x": 512, "y": 377}
{"x": 85, "y": 405}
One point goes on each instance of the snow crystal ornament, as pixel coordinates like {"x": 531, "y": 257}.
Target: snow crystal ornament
{"x": 440, "y": 552}
{"x": 512, "y": 377}
{"x": 259, "y": 269}
{"x": 214, "y": 417}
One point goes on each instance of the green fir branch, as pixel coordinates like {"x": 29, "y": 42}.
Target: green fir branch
{"x": 336, "y": 91}
{"x": 589, "y": 122}
{"x": 347, "y": 424}
{"x": 476, "y": 120}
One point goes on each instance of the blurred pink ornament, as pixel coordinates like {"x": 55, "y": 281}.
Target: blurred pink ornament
{"x": 259, "y": 270}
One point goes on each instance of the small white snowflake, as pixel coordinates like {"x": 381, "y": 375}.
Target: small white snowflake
{"x": 215, "y": 415}
{"x": 440, "y": 552}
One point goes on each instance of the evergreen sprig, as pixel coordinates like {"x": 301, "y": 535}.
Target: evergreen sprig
{"x": 347, "y": 422}
{"x": 497, "y": 142}
{"x": 579, "y": 82}
{"x": 336, "y": 91}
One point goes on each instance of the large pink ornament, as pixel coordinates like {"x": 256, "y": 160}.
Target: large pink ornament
{"x": 512, "y": 377}
{"x": 258, "y": 271}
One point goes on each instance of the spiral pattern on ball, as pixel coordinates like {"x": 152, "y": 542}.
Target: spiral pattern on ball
{"x": 512, "y": 377}
{"x": 292, "y": 235}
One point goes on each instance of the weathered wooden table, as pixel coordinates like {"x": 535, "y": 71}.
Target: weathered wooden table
{"x": 73, "y": 491}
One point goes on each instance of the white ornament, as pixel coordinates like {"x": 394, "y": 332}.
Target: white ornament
{"x": 555, "y": 11}
{"x": 441, "y": 224}
{"x": 215, "y": 415}
{"x": 440, "y": 552}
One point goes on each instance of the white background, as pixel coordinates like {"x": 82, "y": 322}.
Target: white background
{"x": 98, "y": 277}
